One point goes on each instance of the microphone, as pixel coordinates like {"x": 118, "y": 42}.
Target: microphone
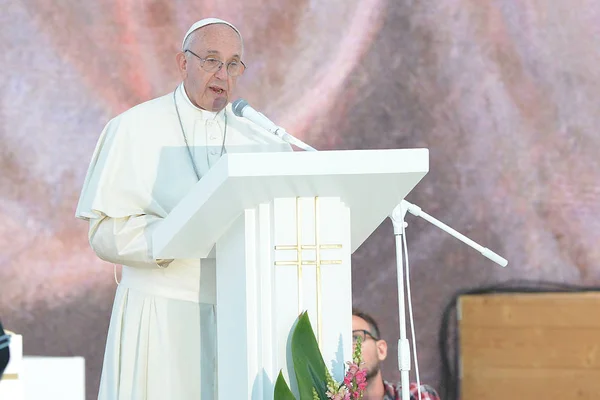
{"x": 241, "y": 108}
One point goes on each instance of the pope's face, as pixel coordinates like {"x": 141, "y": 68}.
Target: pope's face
{"x": 210, "y": 90}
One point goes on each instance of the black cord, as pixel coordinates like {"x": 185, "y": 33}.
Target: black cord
{"x": 450, "y": 381}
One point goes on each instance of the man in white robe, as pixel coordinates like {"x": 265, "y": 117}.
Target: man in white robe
{"x": 161, "y": 341}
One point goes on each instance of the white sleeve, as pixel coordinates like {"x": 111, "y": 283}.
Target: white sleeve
{"x": 125, "y": 241}
{"x": 118, "y": 202}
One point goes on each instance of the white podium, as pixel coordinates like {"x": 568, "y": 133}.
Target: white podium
{"x": 282, "y": 227}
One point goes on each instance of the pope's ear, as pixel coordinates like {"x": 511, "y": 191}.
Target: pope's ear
{"x": 181, "y": 62}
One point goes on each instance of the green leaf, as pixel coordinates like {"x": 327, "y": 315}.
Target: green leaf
{"x": 309, "y": 367}
{"x": 282, "y": 390}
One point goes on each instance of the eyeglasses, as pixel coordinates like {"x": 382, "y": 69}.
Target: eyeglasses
{"x": 363, "y": 335}
{"x": 234, "y": 68}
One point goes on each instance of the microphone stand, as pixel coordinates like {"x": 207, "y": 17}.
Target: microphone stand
{"x": 286, "y": 137}
{"x": 398, "y": 223}
{"x": 397, "y": 217}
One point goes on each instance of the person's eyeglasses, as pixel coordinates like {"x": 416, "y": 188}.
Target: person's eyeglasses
{"x": 363, "y": 335}
{"x": 234, "y": 68}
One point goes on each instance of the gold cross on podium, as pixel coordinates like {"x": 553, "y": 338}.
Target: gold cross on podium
{"x": 318, "y": 262}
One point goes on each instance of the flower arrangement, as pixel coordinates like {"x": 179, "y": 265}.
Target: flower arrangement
{"x": 313, "y": 378}
{"x": 355, "y": 381}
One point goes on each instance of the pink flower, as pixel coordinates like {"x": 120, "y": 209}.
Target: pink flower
{"x": 353, "y": 386}
{"x": 361, "y": 375}
{"x": 348, "y": 380}
{"x": 352, "y": 367}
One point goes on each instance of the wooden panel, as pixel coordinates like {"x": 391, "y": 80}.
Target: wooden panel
{"x": 530, "y": 346}
{"x": 543, "y": 384}
{"x": 552, "y": 310}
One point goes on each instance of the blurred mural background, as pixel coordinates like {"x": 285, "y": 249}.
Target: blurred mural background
{"x": 504, "y": 93}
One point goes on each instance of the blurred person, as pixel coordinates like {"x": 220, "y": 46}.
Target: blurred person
{"x": 161, "y": 341}
{"x": 374, "y": 351}
{"x": 4, "y": 350}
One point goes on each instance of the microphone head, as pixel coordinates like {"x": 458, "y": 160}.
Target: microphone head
{"x": 238, "y": 105}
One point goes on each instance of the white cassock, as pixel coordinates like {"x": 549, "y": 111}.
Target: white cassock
{"x": 161, "y": 341}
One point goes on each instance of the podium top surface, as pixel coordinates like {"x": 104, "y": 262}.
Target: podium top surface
{"x": 370, "y": 182}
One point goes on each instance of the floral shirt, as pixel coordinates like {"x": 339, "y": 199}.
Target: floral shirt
{"x": 395, "y": 393}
